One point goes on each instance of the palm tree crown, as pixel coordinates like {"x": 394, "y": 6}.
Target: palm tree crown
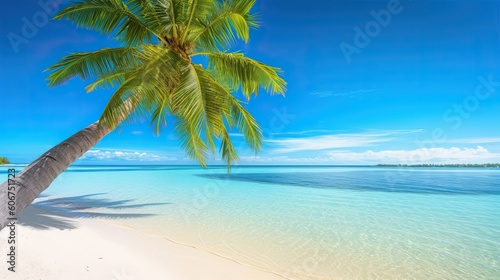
{"x": 154, "y": 74}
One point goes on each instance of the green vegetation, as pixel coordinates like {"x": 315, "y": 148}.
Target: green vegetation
{"x": 4, "y": 160}
{"x": 497, "y": 165}
{"x": 155, "y": 76}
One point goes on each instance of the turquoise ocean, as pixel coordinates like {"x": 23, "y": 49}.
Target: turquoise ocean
{"x": 302, "y": 222}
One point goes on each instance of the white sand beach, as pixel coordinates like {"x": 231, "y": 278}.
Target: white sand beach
{"x": 99, "y": 249}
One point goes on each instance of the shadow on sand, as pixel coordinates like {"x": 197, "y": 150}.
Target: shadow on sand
{"x": 60, "y": 213}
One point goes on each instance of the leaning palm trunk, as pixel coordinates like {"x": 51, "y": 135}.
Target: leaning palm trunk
{"x": 37, "y": 176}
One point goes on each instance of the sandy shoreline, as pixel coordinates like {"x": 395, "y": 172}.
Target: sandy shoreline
{"x": 98, "y": 249}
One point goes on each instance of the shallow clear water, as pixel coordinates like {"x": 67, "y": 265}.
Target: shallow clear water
{"x": 306, "y": 222}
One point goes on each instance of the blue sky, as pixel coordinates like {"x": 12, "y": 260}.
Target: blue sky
{"x": 368, "y": 82}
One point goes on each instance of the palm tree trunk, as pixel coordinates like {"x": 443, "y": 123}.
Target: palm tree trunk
{"x": 37, "y": 176}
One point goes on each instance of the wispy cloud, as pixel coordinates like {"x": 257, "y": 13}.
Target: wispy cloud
{"x": 124, "y": 155}
{"x": 335, "y": 141}
{"x": 304, "y": 132}
{"x": 351, "y": 94}
{"x": 236, "y": 134}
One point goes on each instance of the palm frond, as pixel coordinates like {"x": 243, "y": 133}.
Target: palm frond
{"x": 244, "y": 73}
{"x": 147, "y": 83}
{"x": 214, "y": 97}
{"x": 240, "y": 118}
{"x": 145, "y": 12}
{"x": 229, "y": 154}
{"x": 115, "y": 110}
{"x": 189, "y": 104}
{"x": 167, "y": 13}
{"x": 197, "y": 11}
{"x": 108, "y": 16}
{"x": 187, "y": 99}
{"x": 92, "y": 64}
{"x": 191, "y": 141}
{"x": 161, "y": 16}
{"x": 111, "y": 80}
{"x": 159, "y": 115}
{"x": 228, "y": 21}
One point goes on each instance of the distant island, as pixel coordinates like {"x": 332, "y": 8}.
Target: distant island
{"x": 4, "y": 160}
{"x": 497, "y": 165}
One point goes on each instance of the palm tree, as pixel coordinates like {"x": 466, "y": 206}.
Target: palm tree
{"x": 154, "y": 76}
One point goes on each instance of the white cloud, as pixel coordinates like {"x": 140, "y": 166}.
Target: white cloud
{"x": 478, "y": 154}
{"x": 124, "y": 155}
{"x": 424, "y": 155}
{"x": 335, "y": 141}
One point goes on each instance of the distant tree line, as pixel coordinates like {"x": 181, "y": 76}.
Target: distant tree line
{"x": 443, "y": 165}
{"x": 4, "y": 160}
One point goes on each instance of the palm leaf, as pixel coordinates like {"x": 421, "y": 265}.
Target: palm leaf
{"x": 109, "y": 80}
{"x": 92, "y": 64}
{"x": 167, "y": 13}
{"x": 115, "y": 110}
{"x": 189, "y": 104}
{"x": 159, "y": 15}
{"x": 191, "y": 141}
{"x": 244, "y": 73}
{"x": 240, "y": 118}
{"x": 159, "y": 115}
{"x": 147, "y": 84}
{"x": 108, "y": 16}
{"x": 228, "y": 21}
{"x": 228, "y": 151}
{"x": 197, "y": 11}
